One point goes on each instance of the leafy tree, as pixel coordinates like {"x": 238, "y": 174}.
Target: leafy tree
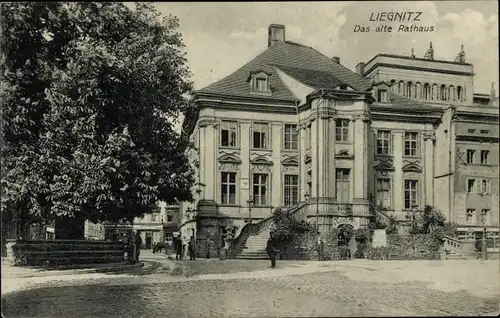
{"x": 89, "y": 93}
{"x": 287, "y": 226}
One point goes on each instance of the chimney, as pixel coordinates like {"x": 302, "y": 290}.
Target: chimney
{"x": 336, "y": 59}
{"x": 276, "y": 34}
{"x": 360, "y": 68}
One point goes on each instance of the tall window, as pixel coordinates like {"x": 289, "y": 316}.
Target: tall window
{"x": 291, "y": 188}
{"x": 170, "y": 216}
{"x": 485, "y": 186}
{"x": 291, "y": 137}
{"x": 260, "y": 85}
{"x": 470, "y": 155}
{"x": 485, "y": 216}
{"x": 383, "y": 142}
{"x": 484, "y": 157}
{"x": 260, "y": 135}
{"x": 228, "y": 133}
{"x": 342, "y": 184}
{"x": 459, "y": 93}
{"x": 384, "y": 193}
{"x": 342, "y": 130}
{"x": 411, "y": 194}
{"x": 409, "y": 89}
{"x": 471, "y": 215}
{"x": 309, "y": 183}
{"x": 228, "y": 187}
{"x": 382, "y": 96}
{"x": 260, "y": 188}
{"x": 471, "y": 185}
{"x": 442, "y": 93}
{"x": 411, "y": 144}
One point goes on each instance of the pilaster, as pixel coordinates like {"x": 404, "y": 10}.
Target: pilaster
{"x": 398, "y": 172}
{"x": 244, "y": 172}
{"x": 360, "y": 133}
{"x": 429, "y": 139}
{"x": 331, "y": 151}
{"x": 277, "y": 140}
{"x": 208, "y": 144}
{"x": 303, "y": 173}
{"x": 314, "y": 157}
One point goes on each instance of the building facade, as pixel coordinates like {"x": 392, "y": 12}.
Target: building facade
{"x": 159, "y": 225}
{"x": 293, "y": 125}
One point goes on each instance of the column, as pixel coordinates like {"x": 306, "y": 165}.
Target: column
{"x": 397, "y": 183}
{"x": 302, "y": 149}
{"x": 429, "y": 167}
{"x": 323, "y": 156}
{"x": 245, "y": 164}
{"x": 276, "y": 188}
{"x": 331, "y": 157}
{"x": 360, "y": 157}
{"x": 314, "y": 157}
{"x": 209, "y": 149}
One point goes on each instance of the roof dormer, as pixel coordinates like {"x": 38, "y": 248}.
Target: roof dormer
{"x": 259, "y": 82}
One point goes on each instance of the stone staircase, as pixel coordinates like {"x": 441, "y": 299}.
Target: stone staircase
{"x": 255, "y": 246}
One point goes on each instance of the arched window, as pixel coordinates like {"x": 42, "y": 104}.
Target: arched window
{"x": 418, "y": 90}
{"x": 409, "y": 88}
{"x": 459, "y": 93}
{"x": 401, "y": 90}
{"x": 451, "y": 95}
{"x": 426, "y": 92}
{"x": 442, "y": 93}
{"x": 393, "y": 86}
{"x": 434, "y": 92}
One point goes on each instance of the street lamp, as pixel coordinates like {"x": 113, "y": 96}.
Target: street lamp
{"x": 251, "y": 203}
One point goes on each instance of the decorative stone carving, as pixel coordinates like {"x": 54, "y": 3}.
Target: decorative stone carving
{"x": 365, "y": 117}
{"x": 261, "y": 167}
{"x": 229, "y": 161}
{"x": 290, "y": 169}
{"x": 290, "y": 161}
{"x": 344, "y": 154}
{"x": 429, "y": 135}
{"x": 384, "y": 164}
{"x": 207, "y": 122}
{"x": 228, "y": 166}
{"x": 307, "y": 157}
{"x": 327, "y": 113}
{"x": 412, "y": 166}
{"x": 343, "y": 220}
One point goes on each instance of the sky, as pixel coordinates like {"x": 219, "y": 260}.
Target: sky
{"x": 221, "y": 37}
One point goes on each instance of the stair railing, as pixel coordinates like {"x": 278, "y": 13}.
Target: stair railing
{"x": 452, "y": 244}
{"x": 248, "y": 229}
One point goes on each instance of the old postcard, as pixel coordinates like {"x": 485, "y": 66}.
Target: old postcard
{"x": 255, "y": 159}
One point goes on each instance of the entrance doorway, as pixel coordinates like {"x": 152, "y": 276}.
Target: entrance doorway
{"x": 149, "y": 239}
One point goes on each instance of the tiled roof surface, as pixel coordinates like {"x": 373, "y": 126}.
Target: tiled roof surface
{"x": 313, "y": 78}
{"x": 411, "y": 104}
{"x": 305, "y": 63}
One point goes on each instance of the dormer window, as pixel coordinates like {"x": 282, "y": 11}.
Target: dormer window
{"x": 259, "y": 82}
{"x": 382, "y": 96}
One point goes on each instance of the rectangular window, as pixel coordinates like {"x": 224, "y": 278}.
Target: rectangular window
{"x": 484, "y": 157}
{"x": 471, "y": 215}
{"x": 411, "y": 194}
{"x": 411, "y": 144}
{"x": 260, "y": 135}
{"x": 291, "y": 137}
{"x": 260, "y": 187}
{"x": 228, "y": 187}
{"x": 470, "y": 155}
{"x": 384, "y": 193}
{"x": 471, "y": 185}
{"x": 170, "y": 216}
{"x": 228, "y": 134}
{"x": 342, "y": 130}
{"x": 485, "y": 186}
{"x": 382, "y": 96}
{"x": 343, "y": 186}
{"x": 261, "y": 85}
{"x": 291, "y": 188}
{"x": 485, "y": 216}
{"x": 383, "y": 142}
{"x": 154, "y": 217}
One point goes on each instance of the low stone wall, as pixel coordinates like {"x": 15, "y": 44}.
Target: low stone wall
{"x": 64, "y": 252}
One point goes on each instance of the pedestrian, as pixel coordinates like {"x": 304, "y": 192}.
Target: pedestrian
{"x": 138, "y": 245}
{"x": 271, "y": 249}
{"x": 320, "y": 248}
{"x": 178, "y": 248}
{"x": 192, "y": 248}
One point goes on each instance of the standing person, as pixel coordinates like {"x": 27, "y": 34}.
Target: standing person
{"x": 320, "y": 247}
{"x": 192, "y": 248}
{"x": 138, "y": 245}
{"x": 178, "y": 248}
{"x": 271, "y": 249}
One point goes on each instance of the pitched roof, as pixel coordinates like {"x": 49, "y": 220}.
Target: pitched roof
{"x": 301, "y": 62}
{"x": 399, "y": 102}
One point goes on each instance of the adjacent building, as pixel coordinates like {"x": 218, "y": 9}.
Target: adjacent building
{"x": 294, "y": 125}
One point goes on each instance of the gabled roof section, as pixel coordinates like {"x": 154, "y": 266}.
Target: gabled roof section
{"x": 313, "y": 78}
{"x": 400, "y": 102}
{"x": 304, "y": 62}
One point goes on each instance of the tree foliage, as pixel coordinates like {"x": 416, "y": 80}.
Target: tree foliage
{"x": 286, "y": 226}
{"x": 434, "y": 223}
{"x": 89, "y": 91}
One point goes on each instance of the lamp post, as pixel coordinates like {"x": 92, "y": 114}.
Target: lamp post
{"x": 251, "y": 203}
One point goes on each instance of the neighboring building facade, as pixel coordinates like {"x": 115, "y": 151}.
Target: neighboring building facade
{"x": 293, "y": 125}
{"x": 159, "y": 225}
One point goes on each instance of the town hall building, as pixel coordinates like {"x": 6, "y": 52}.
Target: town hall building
{"x": 295, "y": 126}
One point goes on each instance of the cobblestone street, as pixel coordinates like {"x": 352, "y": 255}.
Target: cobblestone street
{"x": 357, "y": 288}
